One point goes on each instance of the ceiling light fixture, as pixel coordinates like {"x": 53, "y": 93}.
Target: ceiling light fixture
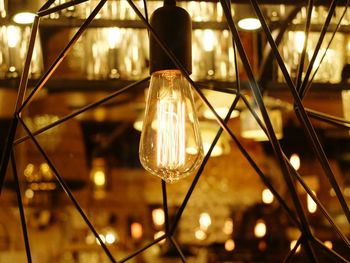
{"x": 23, "y": 11}
{"x": 170, "y": 106}
{"x": 250, "y": 128}
{"x": 246, "y": 18}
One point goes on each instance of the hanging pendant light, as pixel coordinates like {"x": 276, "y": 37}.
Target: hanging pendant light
{"x": 170, "y": 124}
{"x": 23, "y": 11}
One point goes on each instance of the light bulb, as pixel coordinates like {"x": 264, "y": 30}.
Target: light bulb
{"x": 170, "y": 126}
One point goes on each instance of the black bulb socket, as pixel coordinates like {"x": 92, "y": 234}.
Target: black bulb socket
{"x": 174, "y": 28}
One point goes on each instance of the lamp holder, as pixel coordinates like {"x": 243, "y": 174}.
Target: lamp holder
{"x": 173, "y": 26}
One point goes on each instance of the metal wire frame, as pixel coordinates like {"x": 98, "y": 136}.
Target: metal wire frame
{"x": 300, "y": 220}
{"x": 301, "y": 113}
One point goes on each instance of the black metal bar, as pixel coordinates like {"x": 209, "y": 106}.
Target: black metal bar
{"x": 323, "y": 159}
{"x": 306, "y": 122}
{"x": 300, "y": 179}
{"x": 266, "y": 68}
{"x": 21, "y": 209}
{"x": 165, "y": 207}
{"x": 82, "y": 110}
{"x": 60, "y": 7}
{"x": 330, "y": 252}
{"x": 143, "y": 248}
{"x": 320, "y": 205}
{"x": 336, "y": 121}
{"x": 67, "y": 190}
{"x": 62, "y": 55}
{"x": 178, "y": 249}
{"x": 20, "y": 96}
{"x": 318, "y": 46}
{"x": 303, "y": 53}
{"x": 199, "y": 173}
{"x": 324, "y": 54}
{"x": 270, "y": 132}
{"x": 292, "y": 252}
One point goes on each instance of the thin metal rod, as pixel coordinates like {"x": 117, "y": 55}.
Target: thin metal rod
{"x": 318, "y": 46}
{"x": 178, "y": 249}
{"x": 82, "y": 110}
{"x": 165, "y": 206}
{"x": 20, "y": 96}
{"x": 272, "y": 136}
{"x": 200, "y": 170}
{"x": 303, "y": 53}
{"x": 336, "y": 121}
{"x": 267, "y": 62}
{"x": 291, "y": 253}
{"x": 67, "y": 190}
{"x": 320, "y": 205}
{"x": 300, "y": 179}
{"x": 21, "y": 209}
{"x": 329, "y": 251}
{"x": 310, "y": 132}
{"x": 324, "y": 53}
{"x": 62, "y": 55}
{"x": 306, "y": 122}
{"x": 139, "y": 251}
{"x": 59, "y": 7}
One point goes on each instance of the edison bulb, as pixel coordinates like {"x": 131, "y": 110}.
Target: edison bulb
{"x": 170, "y": 127}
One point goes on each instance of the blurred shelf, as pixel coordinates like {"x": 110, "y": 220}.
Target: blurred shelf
{"x": 86, "y": 85}
{"x": 77, "y": 22}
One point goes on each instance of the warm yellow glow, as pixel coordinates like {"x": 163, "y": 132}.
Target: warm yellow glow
{"x": 295, "y": 161}
{"x": 299, "y": 41}
{"x": 249, "y": 23}
{"x": 328, "y": 244}
{"x": 46, "y": 171}
{"x": 204, "y": 221}
{"x": 170, "y": 107}
{"x": 136, "y": 230}
{"x": 200, "y": 234}
{"x": 28, "y": 171}
{"x": 311, "y": 205}
{"x": 103, "y": 239}
{"x": 113, "y": 37}
{"x": 292, "y": 245}
{"x": 221, "y": 111}
{"x": 267, "y": 196}
{"x": 99, "y": 178}
{"x": 260, "y": 228}
{"x": 158, "y": 235}
{"x": 228, "y": 226}
{"x": 13, "y": 35}
{"x": 100, "y": 114}
{"x": 24, "y": 18}
{"x": 158, "y": 216}
{"x": 171, "y": 134}
{"x": 110, "y": 238}
{"x": 230, "y": 245}
{"x": 250, "y": 128}
{"x": 29, "y": 193}
{"x": 208, "y": 40}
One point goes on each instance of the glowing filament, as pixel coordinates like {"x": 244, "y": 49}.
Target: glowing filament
{"x": 171, "y": 134}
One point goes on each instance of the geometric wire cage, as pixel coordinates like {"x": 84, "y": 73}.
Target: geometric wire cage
{"x": 297, "y": 89}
